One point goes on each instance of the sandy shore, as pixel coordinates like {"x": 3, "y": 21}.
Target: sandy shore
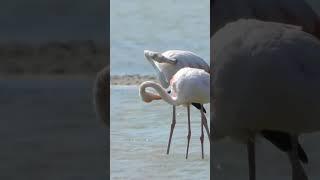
{"x": 130, "y": 79}
{"x": 52, "y": 58}
{"x": 114, "y": 79}
{"x": 59, "y": 60}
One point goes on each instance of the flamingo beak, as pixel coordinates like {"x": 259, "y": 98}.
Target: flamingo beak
{"x": 151, "y": 97}
{"x": 155, "y": 97}
{"x": 147, "y": 100}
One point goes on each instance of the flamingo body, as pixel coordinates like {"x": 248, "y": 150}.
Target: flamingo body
{"x": 295, "y": 12}
{"x": 191, "y": 85}
{"x": 266, "y": 77}
{"x": 188, "y": 85}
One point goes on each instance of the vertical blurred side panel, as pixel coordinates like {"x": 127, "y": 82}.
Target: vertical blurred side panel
{"x": 51, "y": 52}
{"x": 211, "y": 94}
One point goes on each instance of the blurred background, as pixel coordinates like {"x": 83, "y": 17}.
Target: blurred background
{"x": 50, "y": 52}
{"x": 230, "y": 159}
{"x": 315, "y": 5}
{"x": 53, "y": 37}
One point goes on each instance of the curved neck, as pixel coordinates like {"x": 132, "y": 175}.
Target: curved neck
{"x": 162, "y": 92}
{"x": 162, "y": 78}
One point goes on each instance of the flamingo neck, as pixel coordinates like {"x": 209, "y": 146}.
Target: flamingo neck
{"x": 146, "y": 96}
{"x": 162, "y": 78}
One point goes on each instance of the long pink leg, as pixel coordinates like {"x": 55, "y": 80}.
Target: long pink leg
{"x": 173, "y": 123}
{"x": 189, "y": 131}
{"x": 204, "y": 121}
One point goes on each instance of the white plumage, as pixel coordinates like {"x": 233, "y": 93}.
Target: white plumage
{"x": 188, "y": 85}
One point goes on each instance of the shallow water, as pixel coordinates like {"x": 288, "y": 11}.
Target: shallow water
{"x": 49, "y": 131}
{"x": 139, "y": 137}
{"x": 139, "y": 131}
{"x": 158, "y": 26}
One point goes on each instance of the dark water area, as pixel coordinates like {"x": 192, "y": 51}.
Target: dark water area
{"x": 39, "y": 29}
{"x": 49, "y": 131}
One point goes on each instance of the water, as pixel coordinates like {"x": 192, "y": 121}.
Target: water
{"x": 49, "y": 131}
{"x": 139, "y": 131}
{"x": 139, "y": 136}
{"x": 159, "y": 26}
{"x": 156, "y": 25}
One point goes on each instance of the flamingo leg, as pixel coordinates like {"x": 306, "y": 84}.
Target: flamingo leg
{"x": 298, "y": 172}
{"x": 173, "y": 123}
{"x": 204, "y": 121}
{"x": 251, "y": 159}
{"x": 202, "y": 138}
{"x": 189, "y": 131}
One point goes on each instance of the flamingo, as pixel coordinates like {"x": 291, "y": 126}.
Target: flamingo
{"x": 188, "y": 85}
{"x": 167, "y": 64}
{"x": 266, "y": 77}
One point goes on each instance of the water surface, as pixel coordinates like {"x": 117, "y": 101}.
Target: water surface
{"x": 139, "y": 137}
{"x": 158, "y": 26}
{"x": 49, "y": 131}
